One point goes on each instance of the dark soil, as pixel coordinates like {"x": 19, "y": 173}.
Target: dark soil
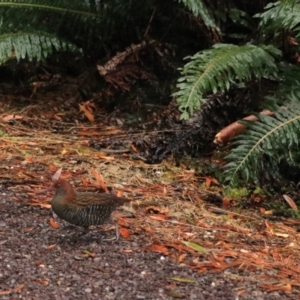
{"x": 39, "y": 262}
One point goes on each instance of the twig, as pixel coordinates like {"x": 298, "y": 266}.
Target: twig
{"x": 150, "y": 21}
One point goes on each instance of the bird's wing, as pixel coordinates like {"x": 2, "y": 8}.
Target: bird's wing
{"x": 102, "y": 200}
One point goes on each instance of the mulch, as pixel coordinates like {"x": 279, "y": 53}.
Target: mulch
{"x": 173, "y": 245}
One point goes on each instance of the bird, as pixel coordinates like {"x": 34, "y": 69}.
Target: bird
{"x": 84, "y": 208}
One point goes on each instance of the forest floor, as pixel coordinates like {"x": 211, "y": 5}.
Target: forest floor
{"x": 173, "y": 245}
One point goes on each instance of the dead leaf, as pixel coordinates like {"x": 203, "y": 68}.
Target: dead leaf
{"x": 134, "y": 148}
{"x": 27, "y": 229}
{"x": 100, "y": 180}
{"x": 54, "y": 224}
{"x": 290, "y": 202}
{"x": 284, "y": 235}
{"x": 124, "y": 233}
{"x": 106, "y": 157}
{"x": 158, "y": 248}
{"x": 262, "y": 210}
{"x": 88, "y": 253}
{"x": 183, "y": 280}
{"x": 127, "y": 250}
{"x": 209, "y": 180}
{"x": 5, "y": 292}
{"x": 119, "y": 194}
{"x": 271, "y": 288}
{"x": 51, "y": 246}
{"x": 87, "y": 113}
{"x": 42, "y": 281}
{"x": 240, "y": 292}
{"x": 269, "y": 226}
{"x": 44, "y": 205}
{"x": 227, "y": 202}
{"x": 195, "y": 246}
{"x": 19, "y": 288}
{"x": 181, "y": 257}
{"x": 57, "y": 117}
{"x": 158, "y": 217}
{"x": 268, "y": 212}
{"x": 12, "y": 117}
{"x": 148, "y": 229}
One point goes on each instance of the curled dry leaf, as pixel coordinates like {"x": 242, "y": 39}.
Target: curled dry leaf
{"x": 124, "y": 233}
{"x": 134, "y": 149}
{"x": 54, "y": 224}
{"x": 269, "y": 226}
{"x": 158, "y": 248}
{"x": 44, "y": 205}
{"x": 51, "y": 246}
{"x": 100, "y": 180}
{"x": 290, "y": 202}
{"x": 209, "y": 180}
{"x": 87, "y": 112}
{"x": 181, "y": 257}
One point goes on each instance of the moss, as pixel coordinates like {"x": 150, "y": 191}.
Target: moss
{"x": 236, "y": 193}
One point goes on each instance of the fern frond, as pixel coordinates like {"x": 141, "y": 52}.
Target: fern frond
{"x": 198, "y": 8}
{"x": 30, "y": 45}
{"x": 289, "y": 83}
{"x": 217, "y": 68}
{"x": 32, "y": 14}
{"x": 272, "y": 137}
{"x": 34, "y": 28}
{"x": 281, "y": 15}
{"x": 73, "y": 7}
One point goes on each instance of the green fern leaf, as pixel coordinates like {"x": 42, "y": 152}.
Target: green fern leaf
{"x": 274, "y": 137}
{"x": 281, "y": 15}
{"x": 30, "y": 45}
{"x": 199, "y": 9}
{"x": 217, "y": 68}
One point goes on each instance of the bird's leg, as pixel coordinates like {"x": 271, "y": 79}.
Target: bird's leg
{"x": 115, "y": 238}
{"x": 67, "y": 227}
{"x": 85, "y": 231}
{"x": 76, "y": 236}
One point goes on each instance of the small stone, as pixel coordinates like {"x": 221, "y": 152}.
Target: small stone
{"x": 78, "y": 257}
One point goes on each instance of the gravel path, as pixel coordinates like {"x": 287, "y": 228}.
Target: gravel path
{"x": 39, "y": 262}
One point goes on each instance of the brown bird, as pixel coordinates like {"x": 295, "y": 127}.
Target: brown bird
{"x": 84, "y": 208}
